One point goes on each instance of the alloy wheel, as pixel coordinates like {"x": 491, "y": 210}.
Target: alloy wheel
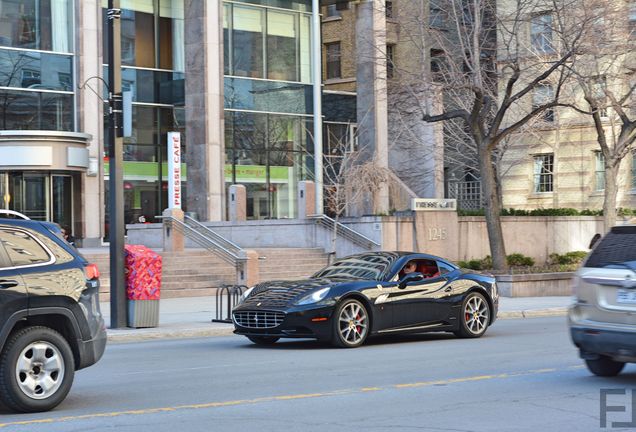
{"x": 40, "y": 370}
{"x": 476, "y": 315}
{"x": 353, "y": 323}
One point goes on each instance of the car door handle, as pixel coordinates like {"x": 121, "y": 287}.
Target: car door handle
{"x": 4, "y": 284}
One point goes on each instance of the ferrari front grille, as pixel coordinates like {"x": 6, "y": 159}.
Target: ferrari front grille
{"x": 258, "y": 319}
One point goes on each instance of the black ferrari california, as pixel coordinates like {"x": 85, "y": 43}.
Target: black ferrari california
{"x": 375, "y": 293}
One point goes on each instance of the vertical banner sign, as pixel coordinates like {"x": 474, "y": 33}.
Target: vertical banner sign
{"x": 174, "y": 170}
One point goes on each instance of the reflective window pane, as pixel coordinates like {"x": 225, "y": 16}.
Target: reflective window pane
{"x": 282, "y": 53}
{"x": 247, "y": 42}
{"x": 35, "y": 70}
{"x": 37, "y": 24}
{"x": 268, "y": 96}
{"x": 21, "y": 110}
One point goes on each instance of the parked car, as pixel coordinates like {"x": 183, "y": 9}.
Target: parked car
{"x": 50, "y": 321}
{"x": 602, "y": 318}
{"x": 370, "y": 294}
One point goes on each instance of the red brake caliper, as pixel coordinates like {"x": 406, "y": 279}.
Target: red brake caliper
{"x": 358, "y": 328}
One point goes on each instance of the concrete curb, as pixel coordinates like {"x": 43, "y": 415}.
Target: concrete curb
{"x": 138, "y": 335}
{"x": 533, "y": 313}
{"x": 122, "y": 336}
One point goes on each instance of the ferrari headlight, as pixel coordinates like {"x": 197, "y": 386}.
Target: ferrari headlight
{"x": 245, "y": 295}
{"x": 314, "y": 297}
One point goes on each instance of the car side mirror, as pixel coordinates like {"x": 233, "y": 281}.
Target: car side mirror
{"x": 410, "y": 277}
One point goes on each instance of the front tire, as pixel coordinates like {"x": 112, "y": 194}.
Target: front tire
{"x": 36, "y": 370}
{"x": 263, "y": 340}
{"x": 605, "y": 366}
{"x": 351, "y": 324}
{"x": 474, "y": 316}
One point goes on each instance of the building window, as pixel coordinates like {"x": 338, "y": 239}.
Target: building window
{"x": 266, "y": 43}
{"x": 36, "y": 24}
{"x": 599, "y": 171}
{"x": 544, "y": 94}
{"x": 599, "y": 95}
{"x": 332, "y": 11}
{"x": 437, "y": 65}
{"x": 388, "y": 8}
{"x": 435, "y": 15}
{"x": 543, "y": 173}
{"x": 333, "y": 60}
{"x": 541, "y": 33}
{"x": 390, "y": 65}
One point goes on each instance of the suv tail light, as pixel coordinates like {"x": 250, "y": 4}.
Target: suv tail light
{"x": 91, "y": 271}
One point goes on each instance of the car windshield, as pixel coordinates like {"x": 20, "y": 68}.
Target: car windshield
{"x": 370, "y": 266}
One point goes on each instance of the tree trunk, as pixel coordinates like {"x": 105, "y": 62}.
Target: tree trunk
{"x": 492, "y": 211}
{"x": 611, "y": 191}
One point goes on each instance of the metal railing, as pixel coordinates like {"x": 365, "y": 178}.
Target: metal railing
{"x": 468, "y": 194}
{"x": 208, "y": 239}
{"x": 345, "y": 232}
{"x": 227, "y": 297}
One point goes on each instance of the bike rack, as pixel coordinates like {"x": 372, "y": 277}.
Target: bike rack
{"x": 232, "y": 294}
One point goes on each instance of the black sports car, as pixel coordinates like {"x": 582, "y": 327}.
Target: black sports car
{"x": 369, "y": 294}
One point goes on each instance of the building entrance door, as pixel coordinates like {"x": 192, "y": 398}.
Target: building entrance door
{"x": 39, "y": 196}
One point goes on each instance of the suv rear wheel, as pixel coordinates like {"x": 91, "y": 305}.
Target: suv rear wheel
{"x": 36, "y": 370}
{"x": 604, "y": 366}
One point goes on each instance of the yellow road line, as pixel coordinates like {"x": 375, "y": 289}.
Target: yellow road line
{"x": 282, "y": 398}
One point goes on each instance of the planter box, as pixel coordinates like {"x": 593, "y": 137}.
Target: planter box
{"x": 143, "y": 313}
{"x": 535, "y": 285}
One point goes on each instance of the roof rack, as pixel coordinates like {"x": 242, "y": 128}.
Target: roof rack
{"x": 13, "y": 213}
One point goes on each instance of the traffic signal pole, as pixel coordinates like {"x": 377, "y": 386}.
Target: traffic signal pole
{"x": 115, "y": 175}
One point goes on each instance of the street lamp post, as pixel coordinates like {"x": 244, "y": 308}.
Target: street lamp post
{"x": 116, "y": 179}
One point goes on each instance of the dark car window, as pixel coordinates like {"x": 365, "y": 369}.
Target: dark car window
{"x": 444, "y": 268}
{"x": 23, "y": 250}
{"x": 360, "y": 267}
{"x": 618, "y": 246}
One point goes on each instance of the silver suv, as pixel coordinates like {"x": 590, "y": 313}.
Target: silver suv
{"x": 603, "y": 317}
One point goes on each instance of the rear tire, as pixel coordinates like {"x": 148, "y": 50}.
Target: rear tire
{"x": 605, "y": 366}
{"x": 474, "y": 316}
{"x": 263, "y": 340}
{"x": 36, "y": 370}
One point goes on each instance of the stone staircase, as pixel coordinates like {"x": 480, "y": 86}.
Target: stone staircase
{"x": 290, "y": 264}
{"x": 197, "y": 272}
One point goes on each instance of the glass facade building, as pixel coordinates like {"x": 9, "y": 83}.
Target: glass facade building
{"x": 153, "y": 66}
{"x": 37, "y": 97}
{"x": 268, "y": 102}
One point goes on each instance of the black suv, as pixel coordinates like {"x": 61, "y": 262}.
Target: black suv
{"x": 50, "y": 321}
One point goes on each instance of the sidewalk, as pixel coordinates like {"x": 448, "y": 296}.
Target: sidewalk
{"x": 192, "y": 317}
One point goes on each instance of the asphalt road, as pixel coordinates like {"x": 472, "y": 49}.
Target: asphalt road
{"x": 524, "y": 375}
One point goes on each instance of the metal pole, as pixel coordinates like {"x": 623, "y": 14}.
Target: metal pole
{"x": 316, "y": 50}
{"x": 116, "y": 178}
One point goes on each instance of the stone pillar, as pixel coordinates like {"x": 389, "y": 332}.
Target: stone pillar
{"x": 251, "y": 273}
{"x": 371, "y": 93}
{"x": 90, "y": 119}
{"x": 238, "y": 203}
{"x": 205, "y": 157}
{"x": 173, "y": 239}
{"x": 306, "y": 199}
{"x": 437, "y": 233}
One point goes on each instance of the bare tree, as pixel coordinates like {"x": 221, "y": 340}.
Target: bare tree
{"x": 603, "y": 90}
{"x": 490, "y": 75}
{"x": 349, "y": 177}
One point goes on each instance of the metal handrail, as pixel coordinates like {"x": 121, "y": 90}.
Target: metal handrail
{"x": 227, "y": 244}
{"x": 345, "y": 231}
{"x": 237, "y": 257}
